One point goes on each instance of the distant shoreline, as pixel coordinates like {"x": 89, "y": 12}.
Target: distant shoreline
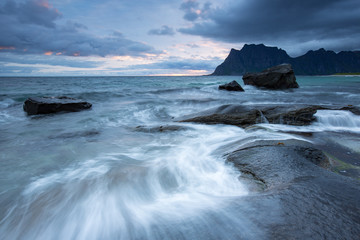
{"x": 346, "y": 74}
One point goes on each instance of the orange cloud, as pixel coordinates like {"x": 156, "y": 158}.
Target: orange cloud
{"x": 58, "y": 53}
{"x": 44, "y": 3}
{"x": 7, "y": 48}
{"x": 49, "y": 53}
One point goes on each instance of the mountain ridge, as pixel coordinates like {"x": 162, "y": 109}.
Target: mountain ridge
{"x": 257, "y": 57}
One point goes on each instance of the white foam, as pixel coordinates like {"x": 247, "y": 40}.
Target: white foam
{"x": 326, "y": 120}
{"x": 337, "y": 120}
{"x": 110, "y": 195}
{"x": 6, "y": 102}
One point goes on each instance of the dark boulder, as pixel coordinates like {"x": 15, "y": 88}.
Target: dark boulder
{"x": 231, "y": 86}
{"x": 45, "y": 105}
{"x": 278, "y": 77}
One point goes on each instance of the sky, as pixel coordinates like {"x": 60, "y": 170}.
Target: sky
{"x": 162, "y": 37}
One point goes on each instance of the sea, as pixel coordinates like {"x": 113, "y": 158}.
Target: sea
{"x": 127, "y": 169}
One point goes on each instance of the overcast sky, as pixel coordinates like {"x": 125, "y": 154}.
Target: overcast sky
{"x": 162, "y": 37}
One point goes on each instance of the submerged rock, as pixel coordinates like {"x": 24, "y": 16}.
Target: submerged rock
{"x": 231, "y": 86}
{"x": 46, "y": 105}
{"x": 278, "y": 77}
{"x": 165, "y": 128}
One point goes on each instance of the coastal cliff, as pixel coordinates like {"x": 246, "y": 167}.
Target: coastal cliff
{"x": 254, "y": 58}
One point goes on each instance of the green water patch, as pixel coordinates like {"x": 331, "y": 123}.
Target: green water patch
{"x": 343, "y": 168}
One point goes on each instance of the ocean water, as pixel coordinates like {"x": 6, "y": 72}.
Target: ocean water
{"x": 108, "y": 173}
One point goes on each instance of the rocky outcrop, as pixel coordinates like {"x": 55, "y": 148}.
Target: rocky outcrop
{"x": 245, "y": 116}
{"x": 231, "y": 86}
{"x": 278, "y": 77}
{"x": 46, "y": 105}
{"x": 242, "y": 116}
{"x": 311, "y": 202}
{"x": 254, "y": 58}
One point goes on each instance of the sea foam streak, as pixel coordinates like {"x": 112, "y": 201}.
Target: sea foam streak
{"x": 110, "y": 197}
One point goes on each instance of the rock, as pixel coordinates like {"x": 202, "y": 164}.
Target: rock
{"x": 278, "y": 77}
{"x": 242, "y": 116}
{"x": 354, "y": 110}
{"x": 45, "y": 105}
{"x": 159, "y": 129}
{"x": 308, "y": 201}
{"x": 231, "y": 86}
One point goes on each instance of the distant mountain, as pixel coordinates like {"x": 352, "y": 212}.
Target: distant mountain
{"x": 254, "y": 58}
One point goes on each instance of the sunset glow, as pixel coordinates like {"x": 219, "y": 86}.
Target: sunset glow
{"x": 6, "y": 48}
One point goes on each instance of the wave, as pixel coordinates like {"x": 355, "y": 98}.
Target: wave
{"x": 333, "y": 120}
{"x": 326, "y": 120}
{"x": 135, "y": 194}
{"x": 7, "y": 102}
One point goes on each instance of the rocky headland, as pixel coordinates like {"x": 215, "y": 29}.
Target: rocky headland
{"x": 255, "y": 58}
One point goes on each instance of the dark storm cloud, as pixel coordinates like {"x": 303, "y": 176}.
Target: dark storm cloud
{"x": 190, "y": 8}
{"x": 194, "y": 11}
{"x": 31, "y": 12}
{"x": 164, "y": 30}
{"x": 330, "y": 23}
{"x": 31, "y": 28}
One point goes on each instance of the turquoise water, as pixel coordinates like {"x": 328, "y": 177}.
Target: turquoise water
{"x": 105, "y": 174}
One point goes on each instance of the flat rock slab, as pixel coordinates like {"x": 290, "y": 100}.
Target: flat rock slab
{"x": 46, "y": 105}
{"x": 278, "y": 77}
{"x": 301, "y": 199}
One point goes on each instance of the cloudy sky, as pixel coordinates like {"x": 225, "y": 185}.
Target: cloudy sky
{"x": 162, "y": 37}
